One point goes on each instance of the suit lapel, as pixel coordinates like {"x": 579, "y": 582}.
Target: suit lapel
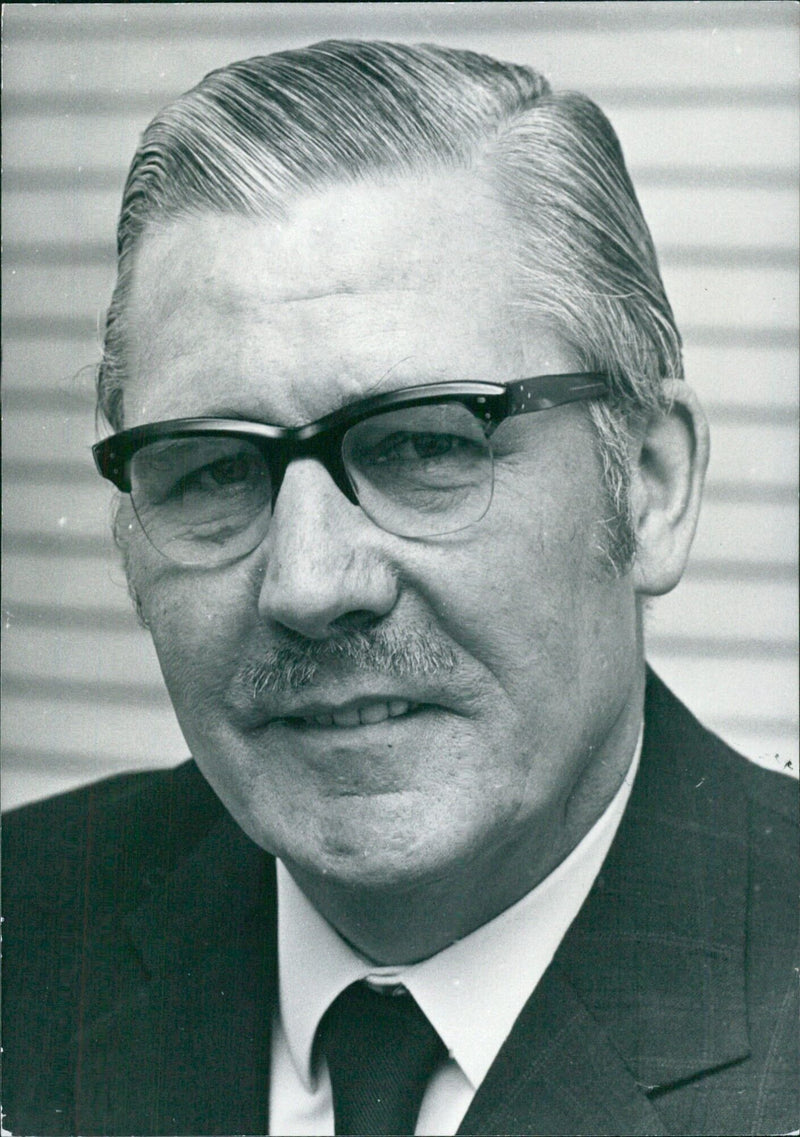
{"x": 558, "y": 1074}
{"x": 186, "y": 1049}
{"x": 658, "y": 950}
{"x": 648, "y": 988}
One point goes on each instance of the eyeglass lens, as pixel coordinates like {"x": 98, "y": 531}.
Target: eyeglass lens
{"x": 416, "y": 472}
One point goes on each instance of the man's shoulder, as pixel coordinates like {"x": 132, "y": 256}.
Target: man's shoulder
{"x": 127, "y": 827}
{"x": 696, "y": 797}
{"x": 682, "y": 755}
{"x": 686, "y": 949}
{"x": 703, "y": 887}
{"x": 114, "y": 895}
{"x": 120, "y": 794}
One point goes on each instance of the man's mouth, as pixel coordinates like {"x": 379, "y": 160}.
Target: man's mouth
{"x": 365, "y": 712}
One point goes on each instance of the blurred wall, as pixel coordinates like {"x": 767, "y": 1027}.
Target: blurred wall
{"x": 704, "y": 98}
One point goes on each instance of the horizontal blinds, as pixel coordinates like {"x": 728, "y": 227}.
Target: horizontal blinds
{"x": 704, "y": 98}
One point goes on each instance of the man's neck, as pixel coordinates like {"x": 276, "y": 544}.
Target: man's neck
{"x": 405, "y": 925}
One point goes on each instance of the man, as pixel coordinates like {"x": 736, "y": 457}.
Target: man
{"x": 403, "y": 447}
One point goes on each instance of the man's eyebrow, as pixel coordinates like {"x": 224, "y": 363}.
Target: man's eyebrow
{"x": 376, "y": 387}
{"x": 373, "y": 389}
{"x": 238, "y": 416}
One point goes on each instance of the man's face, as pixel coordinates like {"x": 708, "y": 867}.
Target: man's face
{"x": 488, "y": 765}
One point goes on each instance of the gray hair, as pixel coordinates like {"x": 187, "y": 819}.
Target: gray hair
{"x": 254, "y": 136}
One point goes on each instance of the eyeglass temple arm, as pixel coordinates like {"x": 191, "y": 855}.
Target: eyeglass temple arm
{"x": 544, "y": 392}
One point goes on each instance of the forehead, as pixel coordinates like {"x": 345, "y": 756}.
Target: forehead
{"x": 360, "y": 288}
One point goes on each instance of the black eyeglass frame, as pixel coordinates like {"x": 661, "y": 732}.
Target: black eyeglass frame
{"x": 491, "y": 403}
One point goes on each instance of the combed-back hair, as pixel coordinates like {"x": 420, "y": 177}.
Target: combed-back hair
{"x": 253, "y": 137}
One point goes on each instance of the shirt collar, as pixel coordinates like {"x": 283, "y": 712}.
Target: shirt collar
{"x": 471, "y": 991}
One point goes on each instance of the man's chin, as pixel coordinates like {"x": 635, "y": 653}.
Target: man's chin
{"x": 394, "y": 859}
{"x": 374, "y": 844}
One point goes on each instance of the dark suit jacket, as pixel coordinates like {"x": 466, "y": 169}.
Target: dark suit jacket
{"x": 140, "y": 963}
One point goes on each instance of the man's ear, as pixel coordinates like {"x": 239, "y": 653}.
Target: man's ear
{"x": 668, "y": 473}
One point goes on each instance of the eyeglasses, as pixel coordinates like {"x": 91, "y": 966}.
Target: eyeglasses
{"x": 417, "y": 461}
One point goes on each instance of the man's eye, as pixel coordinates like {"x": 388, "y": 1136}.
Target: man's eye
{"x": 227, "y": 471}
{"x": 417, "y": 447}
{"x": 224, "y": 473}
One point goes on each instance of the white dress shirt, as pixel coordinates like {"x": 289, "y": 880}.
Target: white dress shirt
{"x": 472, "y": 991}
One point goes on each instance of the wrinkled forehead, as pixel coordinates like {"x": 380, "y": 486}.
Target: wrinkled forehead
{"x": 360, "y": 288}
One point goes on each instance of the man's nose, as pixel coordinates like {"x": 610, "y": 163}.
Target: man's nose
{"x": 322, "y": 562}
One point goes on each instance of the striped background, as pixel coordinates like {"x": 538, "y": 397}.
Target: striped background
{"x": 704, "y": 97}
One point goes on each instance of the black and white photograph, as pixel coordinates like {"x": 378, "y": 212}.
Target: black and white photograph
{"x": 448, "y": 783}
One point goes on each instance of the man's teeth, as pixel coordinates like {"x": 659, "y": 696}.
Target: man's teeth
{"x": 362, "y": 716}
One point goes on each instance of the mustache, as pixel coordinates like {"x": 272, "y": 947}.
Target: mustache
{"x": 295, "y": 664}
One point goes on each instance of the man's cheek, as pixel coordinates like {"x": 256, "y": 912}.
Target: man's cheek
{"x": 197, "y": 641}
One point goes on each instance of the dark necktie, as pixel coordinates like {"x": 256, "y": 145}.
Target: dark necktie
{"x": 381, "y": 1052}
